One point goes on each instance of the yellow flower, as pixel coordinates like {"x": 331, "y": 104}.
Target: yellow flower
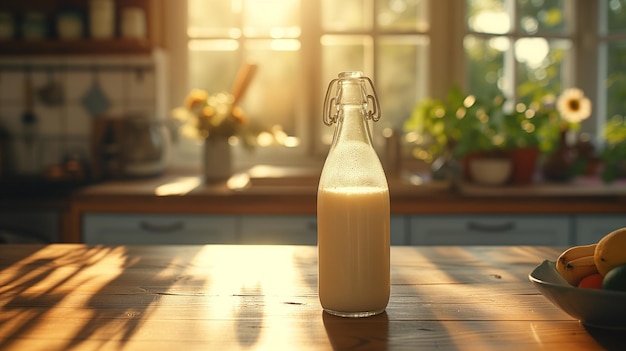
{"x": 573, "y": 106}
{"x": 196, "y": 98}
{"x": 203, "y": 115}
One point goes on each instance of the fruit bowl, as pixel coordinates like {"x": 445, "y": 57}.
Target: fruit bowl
{"x": 593, "y": 307}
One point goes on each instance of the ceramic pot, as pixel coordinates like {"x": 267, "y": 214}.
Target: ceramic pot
{"x": 217, "y": 159}
{"x": 524, "y": 164}
{"x": 491, "y": 171}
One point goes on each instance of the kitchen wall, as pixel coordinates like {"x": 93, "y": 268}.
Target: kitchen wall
{"x": 91, "y": 87}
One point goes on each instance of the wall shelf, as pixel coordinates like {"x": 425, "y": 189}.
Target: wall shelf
{"x": 74, "y": 47}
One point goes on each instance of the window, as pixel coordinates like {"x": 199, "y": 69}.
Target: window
{"x": 612, "y": 75}
{"x": 411, "y": 48}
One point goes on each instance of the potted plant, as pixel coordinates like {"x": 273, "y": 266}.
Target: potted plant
{"x": 451, "y": 133}
{"x": 529, "y": 131}
{"x": 464, "y": 127}
{"x": 572, "y": 107}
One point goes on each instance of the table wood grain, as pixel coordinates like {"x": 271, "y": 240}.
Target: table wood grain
{"x": 73, "y": 296}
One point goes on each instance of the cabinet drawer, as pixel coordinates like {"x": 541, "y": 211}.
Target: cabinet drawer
{"x": 591, "y": 228}
{"x": 287, "y": 230}
{"x": 153, "y": 229}
{"x": 489, "y": 230}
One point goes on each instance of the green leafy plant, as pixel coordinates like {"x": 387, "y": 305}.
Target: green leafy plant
{"x": 461, "y": 125}
{"x": 464, "y": 124}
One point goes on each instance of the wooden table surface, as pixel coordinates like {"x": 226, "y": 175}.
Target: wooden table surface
{"x": 72, "y": 296}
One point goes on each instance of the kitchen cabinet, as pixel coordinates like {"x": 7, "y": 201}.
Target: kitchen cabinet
{"x": 30, "y": 226}
{"x": 399, "y": 230}
{"x": 591, "y": 228}
{"x": 490, "y": 230}
{"x": 291, "y": 230}
{"x": 146, "y": 229}
{"x": 158, "y": 229}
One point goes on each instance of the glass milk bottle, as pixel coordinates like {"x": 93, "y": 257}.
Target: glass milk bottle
{"x": 353, "y": 213}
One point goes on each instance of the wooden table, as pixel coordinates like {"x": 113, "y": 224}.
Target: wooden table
{"x": 72, "y": 296}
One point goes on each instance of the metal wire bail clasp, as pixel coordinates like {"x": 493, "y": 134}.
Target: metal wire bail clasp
{"x": 332, "y": 107}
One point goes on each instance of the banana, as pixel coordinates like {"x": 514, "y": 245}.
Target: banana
{"x": 611, "y": 251}
{"x": 573, "y": 253}
{"x": 575, "y": 270}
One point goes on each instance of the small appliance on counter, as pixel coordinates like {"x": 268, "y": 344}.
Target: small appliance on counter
{"x": 145, "y": 146}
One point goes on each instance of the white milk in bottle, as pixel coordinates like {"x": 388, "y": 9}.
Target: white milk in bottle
{"x": 353, "y": 206}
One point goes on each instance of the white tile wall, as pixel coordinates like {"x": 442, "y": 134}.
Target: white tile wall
{"x": 67, "y": 128}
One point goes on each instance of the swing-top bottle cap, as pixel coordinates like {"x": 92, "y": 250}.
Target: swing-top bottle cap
{"x": 354, "y": 94}
{"x": 350, "y": 74}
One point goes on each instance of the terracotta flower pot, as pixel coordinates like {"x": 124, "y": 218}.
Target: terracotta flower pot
{"x": 524, "y": 164}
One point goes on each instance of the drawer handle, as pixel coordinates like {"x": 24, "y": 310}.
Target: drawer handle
{"x": 491, "y": 228}
{"x": 162, "y": 228}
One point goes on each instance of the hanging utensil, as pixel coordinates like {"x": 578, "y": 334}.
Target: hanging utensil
{"x": 95, "y": 100}
{"x": 52, "y": 93}
{"x": 29, "y": 125}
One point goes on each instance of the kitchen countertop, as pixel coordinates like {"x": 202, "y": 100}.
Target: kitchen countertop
{"x": 285, "y": 191}
{"x": 292, "y": 191}
{"x": 72, "y": 296}
{"x": 296, "y": 194}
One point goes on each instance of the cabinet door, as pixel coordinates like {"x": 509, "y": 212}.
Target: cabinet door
{"x": 590, "y": 229}
{"x": 399, "y": 230}
{"x": 158, "y": 229}
{"x": 489, "y": 230}
{"x": 287, "y": 230}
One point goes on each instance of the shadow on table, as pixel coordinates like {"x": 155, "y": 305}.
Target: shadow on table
{"x": 116, "y": 309}
{"x": 609, "y": 339}
{"x": 369, "y": 333}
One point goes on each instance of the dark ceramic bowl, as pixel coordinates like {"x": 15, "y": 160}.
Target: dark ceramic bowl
{"x": 593, "y": 307}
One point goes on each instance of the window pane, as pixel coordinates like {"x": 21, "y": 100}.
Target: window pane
{"x": 616, "y": 15}
{"x": 273, "y": 95}
{"x": 213, "y": 64}
{"x": 543, "y": 16}
{"x": 402, "y": 76}
{"x": 346, "y": 15}
{"x": 488, "y": 16}
{"x": 403, "y": 15}
{"x": 344, "y": 53}
{"x": 616, "y": 79}
{"x": 485, "y": 59}
{"x": 271, "y": 18}
{"x": 543, "y": 67}
{"x": 217, "y": 18}
{"x": 213, "y": 67}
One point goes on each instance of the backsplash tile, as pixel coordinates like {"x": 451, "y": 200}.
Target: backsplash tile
{"x": 128, "y": 82}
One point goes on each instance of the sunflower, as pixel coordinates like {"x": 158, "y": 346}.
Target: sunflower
{"x": 573, "y": 105}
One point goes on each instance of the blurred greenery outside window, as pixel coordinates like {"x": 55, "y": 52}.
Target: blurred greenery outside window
{"x": 412, "y": 49}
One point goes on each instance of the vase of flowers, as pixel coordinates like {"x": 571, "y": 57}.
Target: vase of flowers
{"x": 212, "y": 120}
{"x": 217, "y": 159}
